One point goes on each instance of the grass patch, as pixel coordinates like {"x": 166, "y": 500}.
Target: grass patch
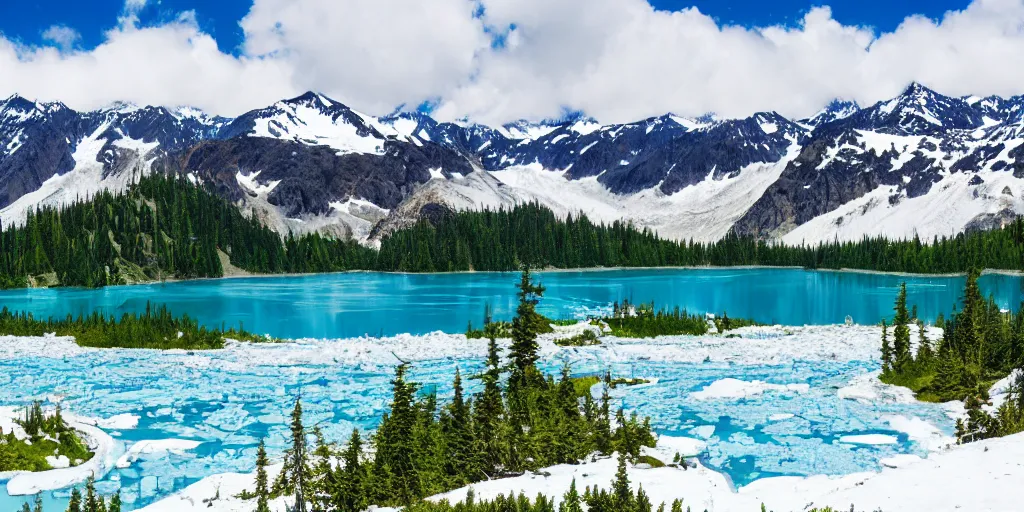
{"x": 154, "y": 329}
{"x": 565, "y": 322}
{"x": 47, "y": 436}
{"x": 582, "y": 385}
{"x": 627, "y": 382}
{"x": 644, "y": 321}
{"x": 587, "y": 338}
{"x": 650, "y": 461}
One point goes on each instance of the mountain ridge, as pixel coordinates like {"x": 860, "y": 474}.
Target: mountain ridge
{"x": 310, "y": 163}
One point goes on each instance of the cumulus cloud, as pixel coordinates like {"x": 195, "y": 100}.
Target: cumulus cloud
{"x": 499, "y": 60}
{"x": 61, "y": 35}
{"x": 372, "y": 53}
{"x": 172, "y": 64}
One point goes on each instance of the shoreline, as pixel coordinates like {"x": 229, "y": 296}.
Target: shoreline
{"x": 549, "y": 270}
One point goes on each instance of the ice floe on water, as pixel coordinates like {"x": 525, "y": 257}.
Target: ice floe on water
{"x": 731, "y": 388}
{"x": 774, "y": 402}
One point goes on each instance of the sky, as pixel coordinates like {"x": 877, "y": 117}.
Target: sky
{"x": 501, "y": 60}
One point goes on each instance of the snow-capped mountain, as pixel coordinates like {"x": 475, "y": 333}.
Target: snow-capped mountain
{"x": 920, "y": 163}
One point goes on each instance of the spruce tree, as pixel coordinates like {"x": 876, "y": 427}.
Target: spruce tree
{"x": 262, "y": 493}
{"x": 886, "y": 349}
{"x": 115, "y": 503}
{"x": 924, "y": 346}
{"x": 901, "y": 333}
{"x": 39, "y": 503}
{"x": 524, "y": 329}
{"x": 75, "y": 504}
{"x": 490, "y": 407}
{"x": 298, "y": 454}
{"x": 571, "y": 500}
{"x": 620, "y": 486}
{"x": 91, "y": 500}
{"x": 350, "y": 495}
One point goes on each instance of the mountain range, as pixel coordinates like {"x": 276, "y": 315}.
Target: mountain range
{"x": 920, "y": 164}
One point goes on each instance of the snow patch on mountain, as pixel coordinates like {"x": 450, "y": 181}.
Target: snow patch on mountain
{"x": 950, "y": 207}
{"x": 304, "y": 123}
{"x": 85, "y": 180}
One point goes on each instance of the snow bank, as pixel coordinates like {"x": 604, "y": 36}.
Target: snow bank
{"x": 866, "y": 388}
{"x": 155, "y": 447}
{"x": 104, "y": 448}
{"x": 737, "y": 389}
{"x": 921, "y": 432}
{"x": 218, "y": 493}
{"x": 868, "y": 439}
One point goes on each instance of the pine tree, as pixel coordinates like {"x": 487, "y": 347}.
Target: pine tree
{"x": 620, "y": 486}
{"x": 262, "y": 493}
{"x": 39, "y": 503}
{"x": 525, "y": 328}
{"x": 115, "y": 503}
{"x": 298, "y": 454}
{"x": 91, "y": 501}
{"x": 75, "y": 504}
{"x": 571, "y": 500}
{"x": 901, "y": 333}
{"x": 350, "y": 494}
{"x": 490, "y": 408}
{"x": 886, "y": 349}
{"x": 924, "y": 346}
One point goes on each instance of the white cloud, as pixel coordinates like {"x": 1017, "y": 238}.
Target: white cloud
{"x": 63, "y": 36}
{"x": 173, "y": 64}
{"x": 372, "y": 54}
{"x": 617, "y": 60}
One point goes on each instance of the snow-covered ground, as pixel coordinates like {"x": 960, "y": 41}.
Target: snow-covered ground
{"x": 778, "y": 401}
{"x": 704, "y": 212}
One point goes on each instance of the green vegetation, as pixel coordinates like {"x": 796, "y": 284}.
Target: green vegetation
{"x": 47, "y": 436}
{"x": 615, "y": 383}
{"x": 980, "y": 345}
{"x": 643, "y": 321}
{"x": 167, "y": 227}
{"x": 162, "y": 227}
{"x": 586, "y": 338}
{"x": 521, "y": 421}
{"x": 157, "y": 329}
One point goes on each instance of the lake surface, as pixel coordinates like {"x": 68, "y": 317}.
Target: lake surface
{"x": 229, "y": 399}
{"x": 356, "y": 304}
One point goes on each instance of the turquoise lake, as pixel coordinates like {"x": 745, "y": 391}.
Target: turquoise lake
{"x": 356, "y": 304}
{"x": 228, "y": 400}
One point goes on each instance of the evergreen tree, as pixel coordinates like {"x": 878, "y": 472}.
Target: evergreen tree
{"x": 298, "y": 454}
{"x": 886, "y": 349}
{"x": 620, "y": 486}
{"x": 75, "y": 504}
{"x": 115, "y": 503}
{"x": 924, "y": 346}
{"x": 349, "y": 492}
{"x": 901, "y": 333}
{"x": 571, "y": 500}
{"x": 262, "y": 493}
{"x": 525, "y": 328}
{"x": 38, "y": 507}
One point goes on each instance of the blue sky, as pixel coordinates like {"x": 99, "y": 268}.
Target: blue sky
{"x": 26, "y": 21}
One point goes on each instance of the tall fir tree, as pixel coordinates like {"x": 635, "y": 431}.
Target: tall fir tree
{"x": 901, "y": 333}
{"x": 298, "y": 454}
{"x": 262, "y": 492}
{"x": 886, "y": 349}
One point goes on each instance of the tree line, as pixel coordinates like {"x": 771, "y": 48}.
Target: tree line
{"x": 164, "y": 226}
{"x": 156, "y": 328}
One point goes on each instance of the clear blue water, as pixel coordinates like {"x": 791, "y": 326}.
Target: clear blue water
{"x": 354, "y": 304}
{"x": 228, "y": 404}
